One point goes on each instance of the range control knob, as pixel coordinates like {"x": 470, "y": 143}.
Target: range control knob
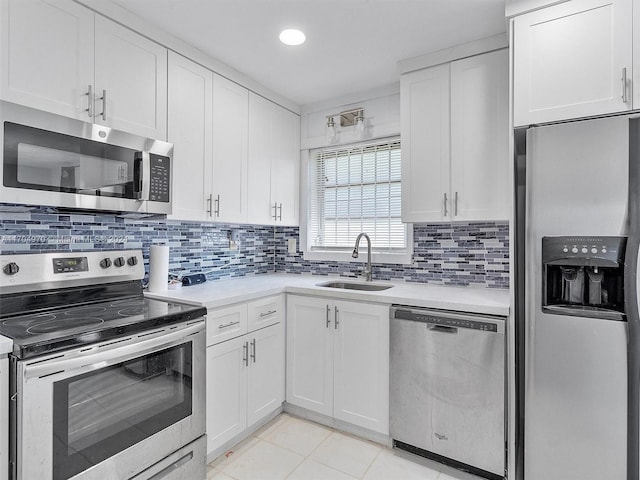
{"x": 11, "y": 268}
{"x": 105, "y": 262}
{"x": 594, "y": 250}
{"x": 132, "y": 261}
{"x": 584, "y": 250}
{"x": 119, "y": 262}
{"x": 574, "y": 250}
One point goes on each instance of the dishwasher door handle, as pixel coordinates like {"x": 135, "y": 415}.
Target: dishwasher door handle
{"x": 443, "y": 329}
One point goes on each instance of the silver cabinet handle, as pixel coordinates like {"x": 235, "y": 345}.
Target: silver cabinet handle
{"x": 253, "y": 349}
{"x": 455, "y": 203}
{"x": 104, "y": 105}
{"x": 624, "y": 84}
{"x": 210, "y": 204}
{"x": 228, "y": 325}
{"x": 89, "y": 94}
{"x": 266, "y": 314}
{"x": 280, "y": 214}
{"x": 328, "y": 319}
{"x": 445, "y": 205}
{"x": 217, "y": 209}
{"x": 245, "y": 354}
{"x": 336, "y": 317}
{"x": 275, "y": 211}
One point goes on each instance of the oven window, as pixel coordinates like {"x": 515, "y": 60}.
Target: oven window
{"x": 41, "y": 160}
{"x": 103, "y": 412}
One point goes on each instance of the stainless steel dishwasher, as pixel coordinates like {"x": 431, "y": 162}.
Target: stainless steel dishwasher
{"x": 447, "y": 388}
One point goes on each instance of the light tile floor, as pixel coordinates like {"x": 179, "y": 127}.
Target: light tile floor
{"x": 294, "y": 449}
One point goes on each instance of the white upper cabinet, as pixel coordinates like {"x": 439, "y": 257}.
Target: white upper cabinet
{"x": 274, "y": 152}
{"x": 190, "y": 118}
{"x": 480, "y": 137}
{"x": 261, "y": 122}
{"x": 425, "y": 124}
{"x": 47, "y": 52}
{"x": 572, "y": 60}
{"x": 131, "y": 81}
{"x": 455, "y": 141}
{"x": 60, "y": 57}
{"x": 230, "y": 130}
{"x": 285, "y": 166}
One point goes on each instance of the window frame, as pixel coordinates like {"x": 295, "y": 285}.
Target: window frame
{"x": 339, "y": 254}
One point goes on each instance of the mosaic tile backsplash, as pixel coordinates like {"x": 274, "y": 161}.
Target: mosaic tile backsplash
{"x": 471, "y": 253}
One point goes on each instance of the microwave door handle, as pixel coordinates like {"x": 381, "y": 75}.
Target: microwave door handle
{"x": 141, "y": 169}
{"x": 137, "y": 176}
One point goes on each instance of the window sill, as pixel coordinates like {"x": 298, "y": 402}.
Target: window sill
{"x": 376, "y": 258}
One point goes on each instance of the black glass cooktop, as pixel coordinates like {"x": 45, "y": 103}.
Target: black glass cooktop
{"x": 65, "y": 327}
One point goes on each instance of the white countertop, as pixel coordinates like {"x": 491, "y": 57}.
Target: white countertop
{"x": 221, "y": 293}
{"x": 6, "y": 345}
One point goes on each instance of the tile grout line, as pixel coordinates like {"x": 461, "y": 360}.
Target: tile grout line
{"x": 371, "y": 464}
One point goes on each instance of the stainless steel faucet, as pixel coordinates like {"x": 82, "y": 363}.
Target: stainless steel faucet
{"x": 367, "y": 269}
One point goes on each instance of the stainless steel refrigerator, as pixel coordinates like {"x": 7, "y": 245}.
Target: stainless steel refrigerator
{"x": 577, "y": 237}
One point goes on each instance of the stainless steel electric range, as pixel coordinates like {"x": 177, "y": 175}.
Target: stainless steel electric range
{"x": 104, "y": 382}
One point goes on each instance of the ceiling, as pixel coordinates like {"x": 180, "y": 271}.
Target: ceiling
{"x": 352, "y": 45}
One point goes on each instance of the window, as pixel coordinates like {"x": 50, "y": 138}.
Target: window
{"x": 356, "y": 189}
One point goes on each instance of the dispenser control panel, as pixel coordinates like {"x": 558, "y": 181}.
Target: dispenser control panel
{"x": 604, "y": 248}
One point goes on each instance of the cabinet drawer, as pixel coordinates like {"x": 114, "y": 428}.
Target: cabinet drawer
{"x": 265, "y": 312}
{"x": 226, "y": 323}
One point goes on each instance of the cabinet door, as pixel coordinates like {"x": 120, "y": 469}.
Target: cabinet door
{"x": 425, "y": 145}
{"x": 189, "y": 127}
{"x": 47, "y": 55}
{"x": 480, "y": 187}
{"x": 226, "y": 391}
{"x": 133, "y": 72}
{"x": 310, "y": 354}
{"x": 285, "y": 166}
{"x": 361, "y": 372}
{"x": 265, "y": 382}
{"x": 261, "y": 124}
{"x": 569, "y": 61}
{"x": 230, "y": 123}
{"x": 4, "y": 418}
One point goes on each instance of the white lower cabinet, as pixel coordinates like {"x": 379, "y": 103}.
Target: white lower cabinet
{"x": 245, "y": 374}
{"x": 226, "y": 391}
{"x": 4, "y": 418}
{"x": 338, "y": 360}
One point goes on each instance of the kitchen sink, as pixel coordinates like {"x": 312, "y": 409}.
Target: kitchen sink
{"x": 371, "y": 287}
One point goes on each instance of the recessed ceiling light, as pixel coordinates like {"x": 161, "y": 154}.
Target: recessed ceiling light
{"x": 292, "y": 36}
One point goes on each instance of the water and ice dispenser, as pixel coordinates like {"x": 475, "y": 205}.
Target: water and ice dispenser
{"x": 583, "y": 276}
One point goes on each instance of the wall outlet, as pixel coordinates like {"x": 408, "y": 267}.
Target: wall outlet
{"x": 292, "y": 248}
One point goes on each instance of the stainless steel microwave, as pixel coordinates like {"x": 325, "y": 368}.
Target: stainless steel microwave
{"x": 57, "y": 161}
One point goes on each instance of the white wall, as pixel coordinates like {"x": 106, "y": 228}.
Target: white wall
{"x": 381, "y": 112}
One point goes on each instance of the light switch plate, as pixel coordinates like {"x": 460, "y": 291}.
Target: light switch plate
{"x": 291, "y": 246}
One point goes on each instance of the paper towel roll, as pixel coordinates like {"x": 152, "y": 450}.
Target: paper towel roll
{"x": 158, "y": 268}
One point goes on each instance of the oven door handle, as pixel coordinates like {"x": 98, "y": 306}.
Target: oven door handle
{"x": 111, "y": 353}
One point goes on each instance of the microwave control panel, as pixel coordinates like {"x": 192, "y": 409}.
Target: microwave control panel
{"x": 159, "y": 178}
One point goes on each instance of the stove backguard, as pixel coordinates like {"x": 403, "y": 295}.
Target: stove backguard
{"x": 583, "y": 276}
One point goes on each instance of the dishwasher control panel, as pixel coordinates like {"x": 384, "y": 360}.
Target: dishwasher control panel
{"x": 446, "y": 320}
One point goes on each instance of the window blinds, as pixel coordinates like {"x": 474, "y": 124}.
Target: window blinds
{"x": 353, "y": 190}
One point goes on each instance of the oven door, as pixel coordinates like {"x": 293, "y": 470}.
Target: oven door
{"x": 111, "y": 410}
